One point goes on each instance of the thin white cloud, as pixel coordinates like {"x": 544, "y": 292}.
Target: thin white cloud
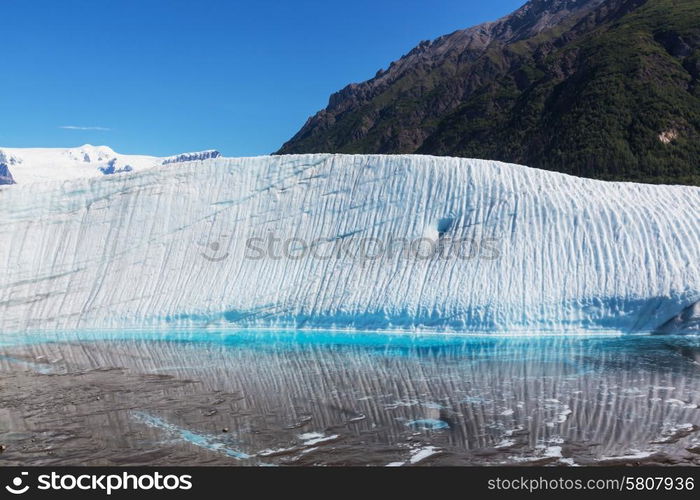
{"x": 77, "y": 127}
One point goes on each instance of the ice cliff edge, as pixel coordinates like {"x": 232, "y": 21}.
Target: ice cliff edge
{"x": 360, "y": 242}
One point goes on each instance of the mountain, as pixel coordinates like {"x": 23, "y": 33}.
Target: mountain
{"x": 604, "y": 89}
{"x": 25, "y": 165}
{"x": 396, "y": 242}
{"x": 5, "y": 174}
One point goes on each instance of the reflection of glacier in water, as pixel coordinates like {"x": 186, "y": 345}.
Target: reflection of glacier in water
{"x": 323, "y": 398}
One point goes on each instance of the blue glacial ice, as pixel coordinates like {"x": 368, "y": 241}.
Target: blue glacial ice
{"x": 189, "y": 244}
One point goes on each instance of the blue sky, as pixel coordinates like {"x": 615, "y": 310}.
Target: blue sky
{"x": 162, "y": 77}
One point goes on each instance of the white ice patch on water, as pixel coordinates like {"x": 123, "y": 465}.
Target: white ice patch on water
{"x": 553, "y": 452}
{"x": 314, "y": 438}
{"x": 268, "y": 452}
{"x": 505, "y": 443}
{"x": 631, "y": 455}
{"x": 417, "y": 455}
{"x": 423, "y": 453}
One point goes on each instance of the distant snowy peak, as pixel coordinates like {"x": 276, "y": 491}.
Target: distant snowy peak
{"x": 27, "y": 165}
{"x": 86, "y": 153}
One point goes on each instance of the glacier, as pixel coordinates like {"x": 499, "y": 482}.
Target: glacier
{"x": 189, "y": 244}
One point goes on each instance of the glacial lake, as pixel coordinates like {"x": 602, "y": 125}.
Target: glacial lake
{"x": 255, "y": 398}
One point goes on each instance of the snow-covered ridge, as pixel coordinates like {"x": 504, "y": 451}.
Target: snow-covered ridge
{"x": 26, "y": 165}
{"x": 171, "y": 245}
{"x": 196, "y": 156}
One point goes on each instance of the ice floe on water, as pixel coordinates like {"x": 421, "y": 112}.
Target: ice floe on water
{"x": 417, "y": 455}
{"x": 315, "y": 438}
{"x": 629, "y": 456}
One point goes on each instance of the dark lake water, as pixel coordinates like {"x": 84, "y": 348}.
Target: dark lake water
{"x": 322, "y": 398}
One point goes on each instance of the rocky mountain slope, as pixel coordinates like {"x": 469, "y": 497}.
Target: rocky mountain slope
{"x": 598, "y": 88}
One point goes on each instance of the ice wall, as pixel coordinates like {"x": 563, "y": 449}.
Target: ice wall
{"x": 339, "y": 241}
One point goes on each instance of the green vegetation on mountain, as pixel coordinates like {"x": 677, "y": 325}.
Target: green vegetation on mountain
{"x": 610, "y": 90}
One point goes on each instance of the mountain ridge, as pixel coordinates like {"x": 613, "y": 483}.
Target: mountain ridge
{"x": 26, "y": 165}
{"x": 615, "y": 79}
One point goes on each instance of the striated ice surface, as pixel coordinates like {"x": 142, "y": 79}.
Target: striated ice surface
{"x": 301, "y": 241}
